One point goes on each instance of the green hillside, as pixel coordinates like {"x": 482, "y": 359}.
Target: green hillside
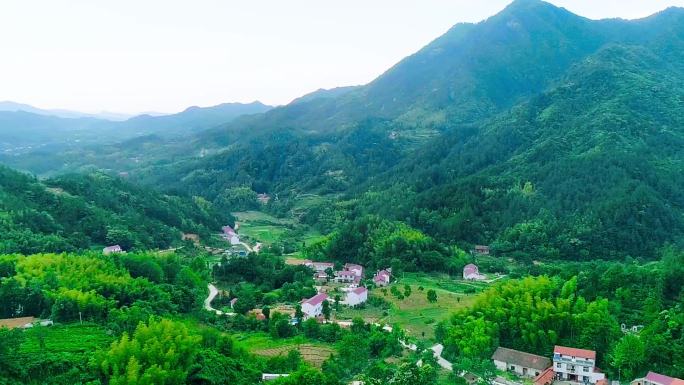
{"x": 76, "y": 212}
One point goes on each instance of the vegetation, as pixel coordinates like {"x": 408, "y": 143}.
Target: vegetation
{"x": 79, "y": 212}
{"x": 586, "y": 311}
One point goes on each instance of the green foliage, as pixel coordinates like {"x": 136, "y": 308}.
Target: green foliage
{"x": 378, "y": 243}
{"x": 75, "y": 212}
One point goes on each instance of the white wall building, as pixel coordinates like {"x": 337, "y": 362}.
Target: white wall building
{"x": 356, "y": 296}
{"x": 313, "y": 307}
{"x": 577, "y": 365}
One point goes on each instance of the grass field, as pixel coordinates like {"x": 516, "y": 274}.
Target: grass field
{"x": 71, "y": 338}
{"x": 267, "y": 229}
{"x": 442, "y": 282}
{"x": 418, "y": 316}
{"x": 263, "y": 345}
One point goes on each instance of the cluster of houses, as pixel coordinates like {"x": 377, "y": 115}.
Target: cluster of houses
{"x": 567, "y": 364}
{"x": 351, "y": 274}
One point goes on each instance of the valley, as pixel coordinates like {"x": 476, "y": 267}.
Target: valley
{"x": 503, "y": 206}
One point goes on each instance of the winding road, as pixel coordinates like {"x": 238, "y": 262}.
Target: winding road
{"x": 213, "y": 292}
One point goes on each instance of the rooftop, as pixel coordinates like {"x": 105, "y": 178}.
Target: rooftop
{"x": 524, "y": 359}
{"x": 574, "y": 352}
{"x": 663, "y": 379}
{"x": 316, "y": 299}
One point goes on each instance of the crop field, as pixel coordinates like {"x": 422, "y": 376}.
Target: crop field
{"x": 415, "y": 313}
{"x": 71, "y": 338}
{"x": 263, "y": 345}
{"x": 313, "y": 354}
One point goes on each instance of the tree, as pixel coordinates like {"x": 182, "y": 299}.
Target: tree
{"x": 266, "y": 311}
{"x": 159, "y": 353}
{"x": 327, "y": 310}
{"x": 431, "y": 296}
{"x": 299, "y": 314}
{"x": 628, "y": 355}
{"x": 407, "y": 290}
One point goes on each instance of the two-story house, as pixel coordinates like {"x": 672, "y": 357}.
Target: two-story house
{"x": 577, "y": 365}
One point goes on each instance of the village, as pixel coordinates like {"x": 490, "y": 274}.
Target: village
{"x": 350, "y": 285}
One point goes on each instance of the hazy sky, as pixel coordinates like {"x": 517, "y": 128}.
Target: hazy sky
{"x": 165, "y": 55}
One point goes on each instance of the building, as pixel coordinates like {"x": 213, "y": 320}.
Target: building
{"x": 657, "y": 379}
{"x": 357, "y": 269}
{"x": 112, "y": 249}
{"x": 313, "y": 307}
{"x": 321, "y": 266}
{"x": 382, "y": 278}
{"x": 576, "y": 365}
{"x": 520, "y": 363}
{"x": 263, "y": 198}
{"x": 481, "y": 250}
{"x": 234, "y": 240}
{"x": 472, "y": 272}
{"x": 356, "y": 296}
{"x": 345, "y": 276}
{"x": 545, "y": 378}
{"x": 228, "y": 232}
{"x": 272, "y": 376}
{"x": 190, "y": 237}
{"x": 321, "y": 277}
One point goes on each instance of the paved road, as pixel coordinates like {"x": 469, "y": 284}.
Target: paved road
{"x": 436, "y": 352}
{"x": 213, "y": 292}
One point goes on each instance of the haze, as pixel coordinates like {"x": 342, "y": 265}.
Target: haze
{"x": 132, "y": 56}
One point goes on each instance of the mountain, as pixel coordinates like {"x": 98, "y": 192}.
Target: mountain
{"x": 75, "y": 212}
{"x": 61, "y": 113}
{"x": 540, "y": 132}
{"x": 24, "y": 129}
{"x": 190, "y": 120}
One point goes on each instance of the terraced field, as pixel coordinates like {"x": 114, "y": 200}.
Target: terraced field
{"x": 313, "y": 354}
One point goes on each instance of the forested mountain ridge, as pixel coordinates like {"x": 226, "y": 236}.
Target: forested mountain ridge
{"x": 76, "y": 212}
{"x": 537, "y": 130}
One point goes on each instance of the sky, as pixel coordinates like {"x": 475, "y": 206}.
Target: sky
{"x": 135, "y": 56}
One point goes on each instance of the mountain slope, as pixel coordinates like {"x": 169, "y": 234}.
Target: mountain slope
{"x": 537, "y": 130}
{"x": 75, "y": 212}
{"x": 592, "y": 167}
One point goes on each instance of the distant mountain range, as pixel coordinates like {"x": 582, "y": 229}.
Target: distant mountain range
{"x": 61, "y": 113}
{"x": 24, "y": 128}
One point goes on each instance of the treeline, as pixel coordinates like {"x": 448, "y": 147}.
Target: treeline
{"x": 377, "y": 243}
{"x": 585, "y": 311}
{"x": 78, "y": 212}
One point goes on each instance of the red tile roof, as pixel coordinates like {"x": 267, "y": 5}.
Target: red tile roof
{"x": 663, "y": 379}
{"x": 470, "y": 269}
{"x": 316, "y": 299}
{"x": 574, "y": 352}
{"x": 545, "y": 377}
{"x": 359, "y": 290}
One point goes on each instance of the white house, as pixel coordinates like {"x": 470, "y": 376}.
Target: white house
{"x": 357, "y": 269}
{"x": 576, "y": 365}
{"x": 234, "y": 240}
{"x": 272, "y": 376}
{"x": 520, "y": 363}
{"x": 472, "y": 272}
{"x": 313, "y": 307}
{"x": 345, "y": 276}
{"x": 320, "y": 266}
{"x": 356, "y": 296}
{"x": 382, "y": 278}
{"x": 112, "y": 249}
